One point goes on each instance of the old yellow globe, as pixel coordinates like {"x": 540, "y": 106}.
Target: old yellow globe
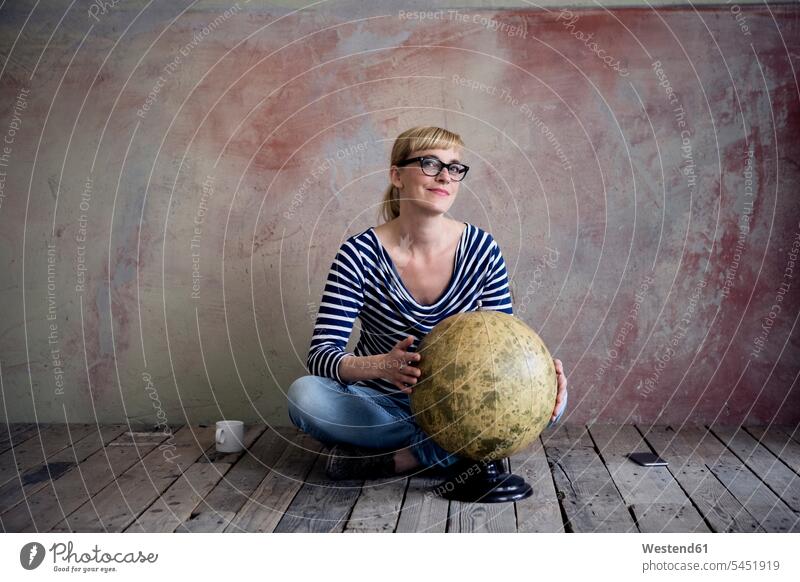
{"x": 487, "y": 386}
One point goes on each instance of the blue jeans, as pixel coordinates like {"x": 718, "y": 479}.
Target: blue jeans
{"x": 333, "y": 413}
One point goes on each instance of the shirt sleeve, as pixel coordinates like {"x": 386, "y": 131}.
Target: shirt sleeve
{"x": 342, "y": 300}
{"x": 496, "y": 294}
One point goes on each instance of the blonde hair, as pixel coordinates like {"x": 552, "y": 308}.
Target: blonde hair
{"x": 412, "y": 140}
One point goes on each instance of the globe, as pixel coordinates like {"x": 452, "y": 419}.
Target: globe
{"x": 487, "y": 386}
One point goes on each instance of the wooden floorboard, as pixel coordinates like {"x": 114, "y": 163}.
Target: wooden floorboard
{"x": 589, "y": 497}
{"x": 706, "y": 451}
{"x": 541, "y": 512}
{"x": 86, "y": 478}
{"x": 61, "y": 497}
{"x": 37, "y": 477}
{"x": 773, "y": 515}
{"x": 721, "y": 510}
{"x": 779, "y": 443}
{"x": 378, "y": 507}
{"x": 481, "y": 517}
{"x": 14, "y": 434}
{"x": 781, "y": 479}
{"x": 656, "y": 499}
{"x": 477, "y": 517}
{"x": 268, "y": 504}
{"x": 175, "y": 505}
{"x": 424, "y": 509}
{"x": 792, "y": 431}
{"x": 39, "y": 447}
{"x": 119, "y": 504}
{"x": 321, "y": 505}
{"x": 762, "y": 502}
{"x": 217, "y": 510}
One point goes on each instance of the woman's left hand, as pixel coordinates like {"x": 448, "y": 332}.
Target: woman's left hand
{"x": 562, "y": 389}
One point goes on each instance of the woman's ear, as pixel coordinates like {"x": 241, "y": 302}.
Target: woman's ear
{"x": 394, "y": 176}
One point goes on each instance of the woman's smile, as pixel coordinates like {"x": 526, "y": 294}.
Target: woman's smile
{"x": 439, "y": 191}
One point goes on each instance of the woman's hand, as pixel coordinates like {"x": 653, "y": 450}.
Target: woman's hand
{"x": 397, "y": 366}
{"x": 562, "y": 389}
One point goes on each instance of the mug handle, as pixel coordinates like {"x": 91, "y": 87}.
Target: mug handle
{"x": 220, "y": 436}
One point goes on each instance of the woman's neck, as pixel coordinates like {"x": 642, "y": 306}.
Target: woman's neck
{"x": 428, "y": 235}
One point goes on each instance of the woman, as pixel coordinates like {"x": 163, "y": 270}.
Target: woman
{"x": 401, "y": 278}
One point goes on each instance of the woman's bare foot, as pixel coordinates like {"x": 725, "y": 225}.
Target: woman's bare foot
{"x": 404, "y": 461}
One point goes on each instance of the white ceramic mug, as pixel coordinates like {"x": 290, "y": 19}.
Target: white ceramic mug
{"x": 230, "y": 436}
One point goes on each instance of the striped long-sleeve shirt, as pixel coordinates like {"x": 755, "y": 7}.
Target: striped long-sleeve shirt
{"x": 364, "y": 282}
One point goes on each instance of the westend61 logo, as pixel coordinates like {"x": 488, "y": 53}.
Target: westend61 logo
{"x": 32, "y": 555}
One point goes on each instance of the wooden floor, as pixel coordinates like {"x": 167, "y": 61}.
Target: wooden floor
{"x": 86, "y": 479}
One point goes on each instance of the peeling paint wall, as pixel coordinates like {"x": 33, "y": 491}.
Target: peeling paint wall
{"x": 178, "y": 179}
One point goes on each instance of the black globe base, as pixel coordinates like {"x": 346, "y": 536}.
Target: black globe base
{"x": 483, "y": 482}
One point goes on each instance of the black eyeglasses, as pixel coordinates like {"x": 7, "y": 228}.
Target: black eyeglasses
{"x": 432, "y": 166}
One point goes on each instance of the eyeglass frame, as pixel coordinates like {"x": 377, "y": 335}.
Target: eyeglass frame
{"x": 421, "y": 158}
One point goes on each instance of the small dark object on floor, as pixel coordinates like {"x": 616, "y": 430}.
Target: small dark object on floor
{"x": 46, "y": 473}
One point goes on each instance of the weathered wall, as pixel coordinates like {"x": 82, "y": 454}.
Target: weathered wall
{"x": 174, "y": 188}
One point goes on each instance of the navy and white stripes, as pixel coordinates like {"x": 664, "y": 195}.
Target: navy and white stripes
{"x": 364, "y": 282}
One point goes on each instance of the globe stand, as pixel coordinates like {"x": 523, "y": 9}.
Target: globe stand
{"x": 484, "y": 482}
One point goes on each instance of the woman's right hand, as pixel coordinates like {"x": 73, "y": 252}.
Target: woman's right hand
{"x": 398, "y": 366}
